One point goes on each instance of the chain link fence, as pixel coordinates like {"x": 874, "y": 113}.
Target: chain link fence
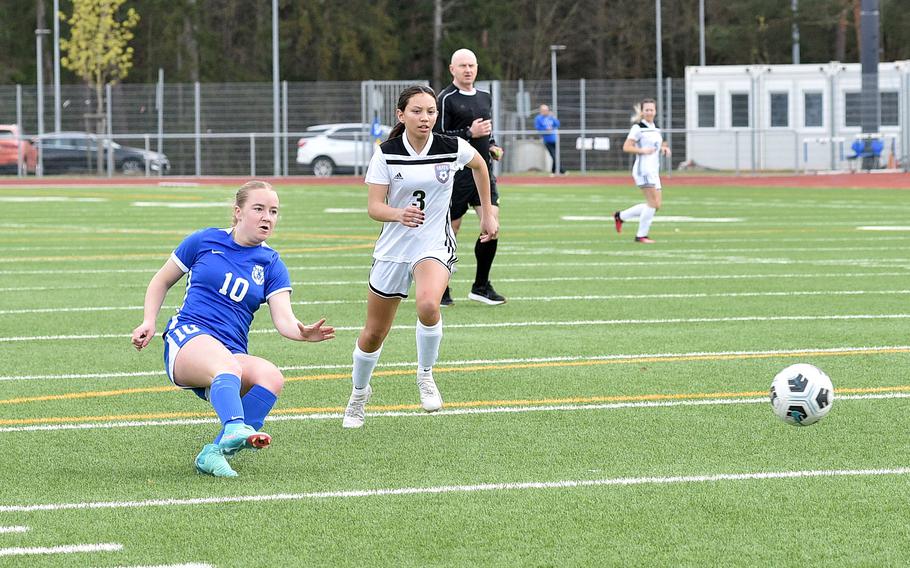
{"x": 228, "y": 129}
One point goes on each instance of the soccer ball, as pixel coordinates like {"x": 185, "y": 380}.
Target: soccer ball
{"x": 801, "y": 395}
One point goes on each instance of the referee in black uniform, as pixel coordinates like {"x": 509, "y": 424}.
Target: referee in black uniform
{"x": 466, "y": 112}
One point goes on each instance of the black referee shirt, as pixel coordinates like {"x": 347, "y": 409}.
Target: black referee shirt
{"x": 457, "y": 111}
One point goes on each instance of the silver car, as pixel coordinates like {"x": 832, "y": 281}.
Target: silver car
{"x": 328, "y": 149}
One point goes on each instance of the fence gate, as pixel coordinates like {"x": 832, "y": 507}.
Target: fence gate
{"x": 377, "y": 106}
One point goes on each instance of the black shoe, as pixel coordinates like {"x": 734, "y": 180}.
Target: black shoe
{"x": 486, "y": 294}
{"x": 446, "y": 298}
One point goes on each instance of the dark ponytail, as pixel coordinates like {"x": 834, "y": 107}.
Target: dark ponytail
{"x": 403, "y": 99}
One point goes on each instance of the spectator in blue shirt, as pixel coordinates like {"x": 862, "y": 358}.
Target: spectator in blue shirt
{"x": 547, "y": 123}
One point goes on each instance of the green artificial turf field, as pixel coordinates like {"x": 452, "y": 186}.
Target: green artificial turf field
{"x": 613, "y": 413}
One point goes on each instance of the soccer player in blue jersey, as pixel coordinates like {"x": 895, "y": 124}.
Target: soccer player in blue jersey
{"x": 230, "y": 273}
{"x": 410, "y": 180}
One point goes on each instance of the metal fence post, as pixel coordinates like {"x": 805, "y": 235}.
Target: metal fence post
{"x": 584, "y": 136}
{"x": 252, "y": 155}
{"x": 159, "y": 100}
{"x": 284, "y": 125}
{"x": 669, "y": 117}
{"x": 110, "y": 130}
{"x": 147, "y": 150}
{"x": 198, "y": 127}
{"x": 832, "y": 97}
{"x": 736, "y": 150}
{"x": 19, "y": 122}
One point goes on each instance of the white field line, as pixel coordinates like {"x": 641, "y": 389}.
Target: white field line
{"x": 883, "y": 228}
{"x": 584, "y": 297}
{"x": 449, "y": 489}
{"x": 509, "y": 361}
{"x": 662, "y": 218}
{"x": 362, "y": 282}
{"x": 520, "y": 324}
{"x": 4, "y": 530}
{"x": 66, "y": 549}
{"x": 48, "y": 199}
{"x": 516, "y": 243}
{"x": 183, "y": 205}
{"x": 852, "y": 262}
{"x": 190, "y": 565}
{"x": 420, "y": 414}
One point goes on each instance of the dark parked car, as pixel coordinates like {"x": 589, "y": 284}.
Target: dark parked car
{"x": 73, "y": 152}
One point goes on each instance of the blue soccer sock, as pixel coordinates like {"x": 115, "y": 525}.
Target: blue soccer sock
{"x": 257, "y": 403}
{"x": 224, "y": 394}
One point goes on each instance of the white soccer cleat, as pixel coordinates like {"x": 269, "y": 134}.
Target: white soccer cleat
{"x": 430, "y": 398}
{"x": 354, "y": 414}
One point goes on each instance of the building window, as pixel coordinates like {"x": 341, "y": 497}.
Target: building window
{"x": 780, "y": 110}
{"x": 853, "y": 115}
{"x": 706, "y": 111}
{"x": 813, "y": 110}
{"x": 890, "y": 104}
{"x": 739, "y": 110}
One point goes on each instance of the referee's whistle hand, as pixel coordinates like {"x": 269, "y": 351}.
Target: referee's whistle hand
{"x": 481, "y": 127}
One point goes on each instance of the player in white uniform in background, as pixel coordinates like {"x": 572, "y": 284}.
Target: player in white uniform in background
{"x": 230, "y": 274}
{"x": 646, "y": 142}
{"x": 410, "y": 187}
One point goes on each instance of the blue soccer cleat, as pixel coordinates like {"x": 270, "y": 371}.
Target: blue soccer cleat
{"x": 211, "y": 461}
{"x": 242, "y": 436}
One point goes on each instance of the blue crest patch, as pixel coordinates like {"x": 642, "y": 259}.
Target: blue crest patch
{"x": 442, "y": 173}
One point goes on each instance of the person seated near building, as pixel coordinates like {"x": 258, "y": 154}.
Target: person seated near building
{"x": 872, "y": 152}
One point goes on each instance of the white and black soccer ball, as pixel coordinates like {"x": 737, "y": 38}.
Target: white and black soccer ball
{"x": 801, "y": 394}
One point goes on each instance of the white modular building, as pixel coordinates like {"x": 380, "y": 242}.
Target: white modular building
{"x": 791, "y": 117}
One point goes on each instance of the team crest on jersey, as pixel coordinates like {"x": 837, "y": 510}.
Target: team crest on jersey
{"x": 442, "y": 173}
{"x": 258, "y": 275}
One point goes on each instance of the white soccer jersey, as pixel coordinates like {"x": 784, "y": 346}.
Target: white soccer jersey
{"x": 420, "y": 178}
{"x": 646, "y": 135}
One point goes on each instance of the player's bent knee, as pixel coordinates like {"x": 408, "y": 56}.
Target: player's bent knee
{"x": 272, "y": 380}
{"x": 370, "y": 340}
{"x": 428, "y": 310}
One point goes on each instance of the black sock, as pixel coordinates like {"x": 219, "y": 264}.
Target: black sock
{"x": 485, "y": 253}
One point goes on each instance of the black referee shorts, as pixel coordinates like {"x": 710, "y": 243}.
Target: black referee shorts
{"x": 464, "y": 193}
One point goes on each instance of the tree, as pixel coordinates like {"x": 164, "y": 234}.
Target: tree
{"x": 97, "y": 49}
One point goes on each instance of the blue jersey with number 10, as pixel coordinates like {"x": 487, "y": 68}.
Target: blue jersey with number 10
{"x": 226, "y": 284}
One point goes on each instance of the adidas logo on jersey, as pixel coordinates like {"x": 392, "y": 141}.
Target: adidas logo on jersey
{"x": 398, "y": 176}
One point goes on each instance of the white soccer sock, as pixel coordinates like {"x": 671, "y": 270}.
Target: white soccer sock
{"x": 633, "y": 212}
{"x": 364, "y": 363}
{"x": 644, "y": 221}
{"x": 428, "y": 340}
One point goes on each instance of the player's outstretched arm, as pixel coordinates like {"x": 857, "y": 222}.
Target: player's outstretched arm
{"x": 161, "y": 282}
{"x": 289, "y": 326}
{"x": 489, "y": 224}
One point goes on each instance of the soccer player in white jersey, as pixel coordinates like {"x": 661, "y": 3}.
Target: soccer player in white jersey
{"x": 646, "y": 142}
{"x": 410, "y": 186}
{"x": 230, "y": 273}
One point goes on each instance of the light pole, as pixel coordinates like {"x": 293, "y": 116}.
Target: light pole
{"x": 39, "y": 74}
{"x": 56, "y": 65}
{"x": 553, "y": 49}
{"x": 276, "y": 108}
{"x": 701, "y": 32}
